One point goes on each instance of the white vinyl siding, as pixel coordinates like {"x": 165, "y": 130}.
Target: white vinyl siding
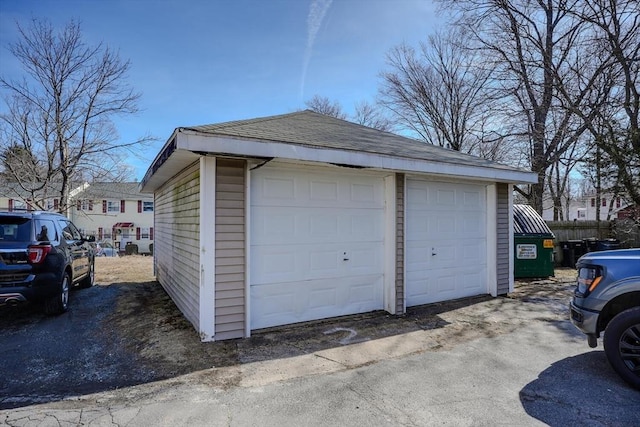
{"x": 176, "y": 235}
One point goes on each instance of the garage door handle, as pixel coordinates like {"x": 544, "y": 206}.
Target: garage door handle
{"x": 345, "y": 257}
{"x": 433, "y": 252}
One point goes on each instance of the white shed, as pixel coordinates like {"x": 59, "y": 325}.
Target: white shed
{"x": 291, "y": 218}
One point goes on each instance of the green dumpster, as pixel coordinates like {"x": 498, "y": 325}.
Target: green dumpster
{"x": 533, "y": 244}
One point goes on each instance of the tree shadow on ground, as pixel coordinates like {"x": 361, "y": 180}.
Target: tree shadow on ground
{"x": 586, "y": 378}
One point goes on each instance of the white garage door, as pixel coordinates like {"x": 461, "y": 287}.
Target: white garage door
{"x": 316, "y": 244}
{"x": 445, "y": 241}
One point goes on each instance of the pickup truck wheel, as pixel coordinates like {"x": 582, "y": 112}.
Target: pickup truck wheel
{"x": 622, "y": 345}
{"x": 59, "y": 303}
{"x": 88, "y": 281}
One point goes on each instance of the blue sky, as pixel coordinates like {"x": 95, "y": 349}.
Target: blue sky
{"x": 209, "y": 61}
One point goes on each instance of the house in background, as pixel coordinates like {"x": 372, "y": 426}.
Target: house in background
{"x": 303, "y": 216}
{"x": 14, "y": 199}
{"x": 584, "y": 208}
{"x": 116, "y": 211}
{"x": 106, "y": 210}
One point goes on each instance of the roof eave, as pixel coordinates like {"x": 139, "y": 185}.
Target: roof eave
{"x": 186, "y": 146}
{"x": 216, "y": 144}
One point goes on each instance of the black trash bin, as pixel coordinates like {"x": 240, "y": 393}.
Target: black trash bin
{"x": 571, "y": 251}
{"x": 131, "y": 249}
{"x": 591, "y": 244}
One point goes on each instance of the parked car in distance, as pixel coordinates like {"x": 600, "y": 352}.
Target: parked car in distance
{"x": 607, "y": 299}
{"x": 105, "y": 248}
{"x": 42, "y": 255}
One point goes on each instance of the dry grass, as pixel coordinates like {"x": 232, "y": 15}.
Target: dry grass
{"x": 126, "y": 269}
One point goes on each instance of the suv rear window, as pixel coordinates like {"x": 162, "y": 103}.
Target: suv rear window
{"x": 46, "y": 231}
{"x": 15, "y": 229}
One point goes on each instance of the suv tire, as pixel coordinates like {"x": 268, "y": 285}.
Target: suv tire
{"x": 622, "y": 345}
{"x": 88, "y": 281}
{"x": 59, "y": 303}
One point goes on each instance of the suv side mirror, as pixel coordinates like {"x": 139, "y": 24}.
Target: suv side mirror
{"x": 89, "y": 238}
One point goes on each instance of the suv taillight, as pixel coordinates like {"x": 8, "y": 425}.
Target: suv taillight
{"x": 37, "y": 253}
{"x": 588, "y": 279}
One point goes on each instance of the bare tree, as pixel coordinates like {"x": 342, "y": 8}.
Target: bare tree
{"x": 370, "y": 115}
{"x": 440, "y": 92}
{"x": 323, "y": 105}
{"x": 366, "y": 114}
{"x": 61, "y": 111}
{"x": 547, "y": 69}
{"x": 615, "y": 127}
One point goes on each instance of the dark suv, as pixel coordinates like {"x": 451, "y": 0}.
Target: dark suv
{"x": 42, "y": 255}
{"x": 607, "y": 299}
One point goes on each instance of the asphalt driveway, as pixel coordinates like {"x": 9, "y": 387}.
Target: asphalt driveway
{"x": 122, "y": 349}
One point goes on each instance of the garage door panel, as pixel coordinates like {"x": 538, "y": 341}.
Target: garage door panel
{"x": 272, "y": 225}
{"x": 448, "y": 220}
{"x": 472, "y": 199}
{"x": 469, "y": 280}
{"x": 316, "y": 245}
{"x": 277, "y": 189}
{"x": 473, "y": 252}
{"x": 286, "y": 263}
{"x": 289, "y": 187}
{"x": 293, "y": 302}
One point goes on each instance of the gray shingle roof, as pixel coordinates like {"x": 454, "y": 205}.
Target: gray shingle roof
{"x": 95, "y": 191}
{"x": 308, "y": 128}
{"x": 114, "y": 190}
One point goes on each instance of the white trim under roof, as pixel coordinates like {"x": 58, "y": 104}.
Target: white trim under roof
{"x": 185, "y": 145}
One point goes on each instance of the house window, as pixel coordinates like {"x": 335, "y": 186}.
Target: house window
{"x": 582, "y": 213}
{"x": 106, "y": 233}
{"x": 84, "y": 205}
{"x": 144, "y": 232}
{"x": 618, "y": 204}
{"x": 147, "y": 206}
{"x": 593, "y": 202}
{"x": 604, "y": 202}
{"x": 113, "y": 206}
{"x": 17, "y": 205}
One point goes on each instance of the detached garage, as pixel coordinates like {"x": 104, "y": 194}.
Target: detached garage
{"x": 298, "y": 217}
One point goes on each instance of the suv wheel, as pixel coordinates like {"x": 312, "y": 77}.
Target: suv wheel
{"x": 622, "y": 345}
{"x": 88, "y": 281}
{"x": 59, "y": 303}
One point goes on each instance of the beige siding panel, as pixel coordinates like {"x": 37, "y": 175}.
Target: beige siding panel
{"x": 400, "y": 211}
{"x": 228, "y": 278}
{"x": 230, "y": 311}
{"x": 228, "y": 282}
{"x": 236, "y": 294}
{"x": 502, "y": 258}
{"x": 230, "y": 204}
{"x": 230, "y": 300}
{"x": 176, "y": 246}
{"x": 221, "y": 335}
{"x": 235, "y": 244}
{"x": 231, "y": 319}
